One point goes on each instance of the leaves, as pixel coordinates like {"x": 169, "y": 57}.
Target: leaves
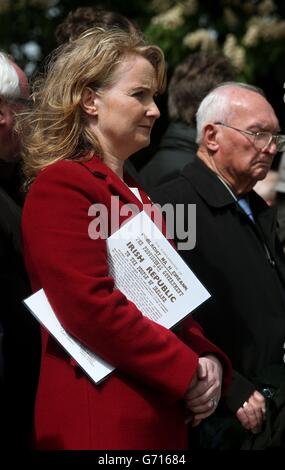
{"x": 251, "y": 32}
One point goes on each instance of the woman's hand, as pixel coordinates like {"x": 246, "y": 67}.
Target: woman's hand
{"x": 204, "y": 393}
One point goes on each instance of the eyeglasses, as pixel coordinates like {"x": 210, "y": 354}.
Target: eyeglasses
{"x": 261, "y": 139}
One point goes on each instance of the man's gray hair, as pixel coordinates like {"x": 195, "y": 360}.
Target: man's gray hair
{"x": 216, "y": 106}
{"x": 9, "y": 80}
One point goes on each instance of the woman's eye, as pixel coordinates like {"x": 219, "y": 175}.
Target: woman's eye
{"x": 139, "y": 94}
{"x": 145, "y": 95}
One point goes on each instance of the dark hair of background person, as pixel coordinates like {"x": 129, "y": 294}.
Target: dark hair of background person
{"x": 191, "y": 82}
{"x": 79, "y": 20}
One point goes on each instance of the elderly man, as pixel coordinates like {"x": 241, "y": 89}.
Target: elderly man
{"x": 20, "y": 348}
{"x": 237, "y": 254}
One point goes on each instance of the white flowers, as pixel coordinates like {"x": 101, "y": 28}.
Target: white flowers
{"x": 173, "y": 17}
{"x": 235, "y": 53}
{"x": 170, "y": 19}
{"x": 263, "y": 29}
{"x": 245, "y": 25}
{"x": 204, "y": 39}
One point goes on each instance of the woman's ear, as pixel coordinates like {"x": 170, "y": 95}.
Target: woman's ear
{"x": 88, "y": 101}
{"x": 210, "y": 137}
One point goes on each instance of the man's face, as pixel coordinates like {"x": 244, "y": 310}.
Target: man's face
{"x": 9, "y": 140}
{"x": 238, "y": 156}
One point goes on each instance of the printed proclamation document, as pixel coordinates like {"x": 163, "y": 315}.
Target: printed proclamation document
{"x": 149, "y": 272}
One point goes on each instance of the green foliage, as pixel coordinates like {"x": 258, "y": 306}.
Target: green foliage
{"x": 251, "y": 33}
{"x": 258, "y": 54}
{"x": 171, "y": 41}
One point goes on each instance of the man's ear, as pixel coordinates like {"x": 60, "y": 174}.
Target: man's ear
{"x": 88, "y": 101}
{"x": 210, "y": 137}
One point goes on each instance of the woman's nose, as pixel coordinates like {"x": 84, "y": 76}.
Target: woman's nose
{"x": 153, "y": 110}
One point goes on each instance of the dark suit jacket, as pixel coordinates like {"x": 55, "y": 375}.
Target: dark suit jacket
{"x": 176, "y": 149}
{"x": 140, "y": 405}
{"x": 246, "y": 314}
{"x": 20, "y": 332}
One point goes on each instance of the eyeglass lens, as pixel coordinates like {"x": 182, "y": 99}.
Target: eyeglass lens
{"x": 263, "y": 139}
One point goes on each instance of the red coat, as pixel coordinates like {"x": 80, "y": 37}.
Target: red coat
{"x": 140, "y": 406}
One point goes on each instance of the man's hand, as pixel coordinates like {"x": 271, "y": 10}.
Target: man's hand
{"x": 252, "y": 414}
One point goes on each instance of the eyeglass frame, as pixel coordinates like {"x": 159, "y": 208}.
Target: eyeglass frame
{"x": 272, "y": 139}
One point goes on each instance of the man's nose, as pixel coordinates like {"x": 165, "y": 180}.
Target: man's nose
{"x": 271, "y": 147}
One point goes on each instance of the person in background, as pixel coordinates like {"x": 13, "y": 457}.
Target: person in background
{"x": 79, "y": 20}
{"x": 280, "y": 198}
{"x": 93, "y": 109}
{"x": 237, "y": 254}
{"x": 191, "y": 81}
{"x": 20, "y": 333}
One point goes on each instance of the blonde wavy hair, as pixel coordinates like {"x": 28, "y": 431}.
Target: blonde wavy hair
{"x": 55, "y": 127}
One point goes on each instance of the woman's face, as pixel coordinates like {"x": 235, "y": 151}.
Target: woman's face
{"x": 126, "y": 111}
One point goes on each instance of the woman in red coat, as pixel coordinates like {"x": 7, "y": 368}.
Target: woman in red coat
{"x": 94, "y": 109}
